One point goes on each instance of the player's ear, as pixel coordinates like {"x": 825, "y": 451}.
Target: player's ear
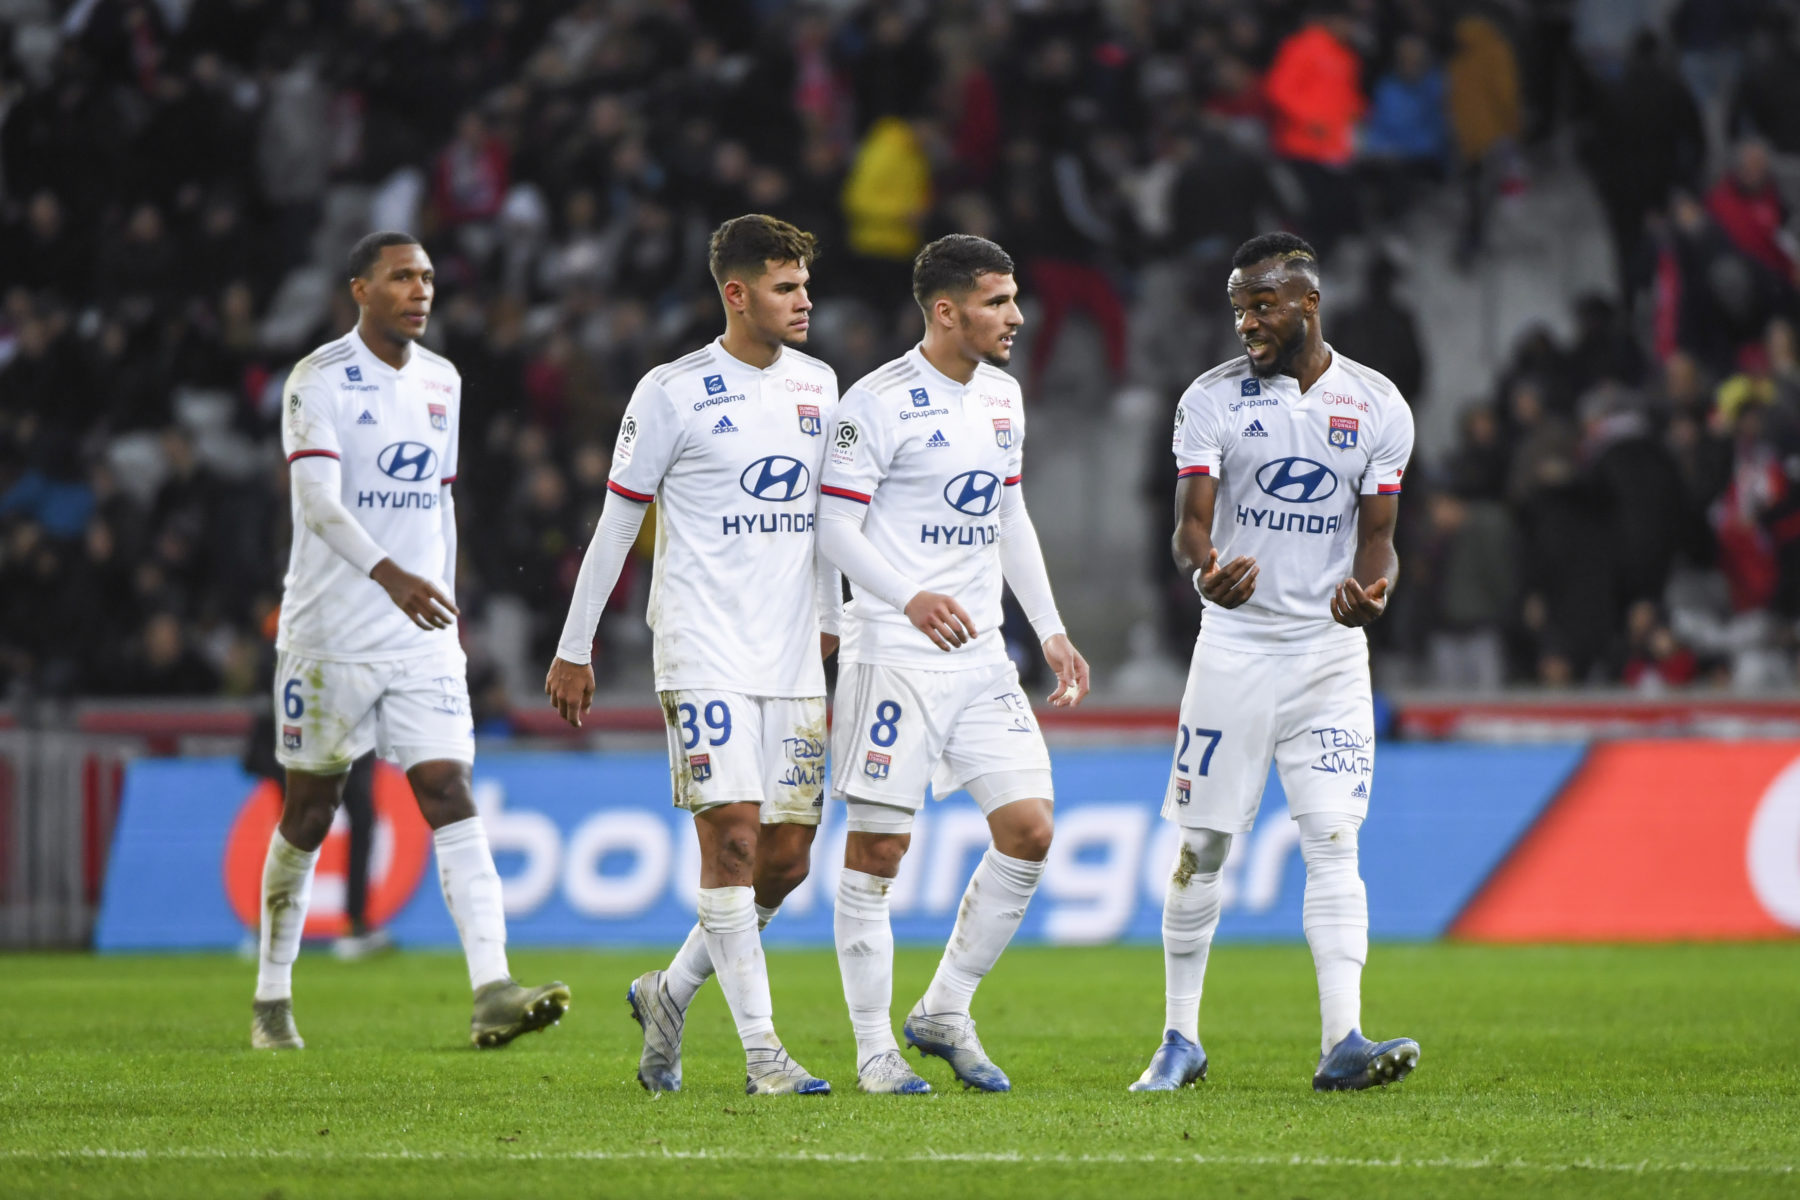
{"x": 943, "y": 310}
{"x": 736, "y": 294}
{"x": 359, "y": 290}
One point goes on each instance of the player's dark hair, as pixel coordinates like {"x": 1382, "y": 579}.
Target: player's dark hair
{"x": 952, "y": 264}
{"x": 367, "y": 251}
{"x": 1283, "y": 247}
{"x": 743, "y": 247}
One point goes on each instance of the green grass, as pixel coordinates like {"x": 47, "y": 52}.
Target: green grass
{"x": 1671, "y": 1071}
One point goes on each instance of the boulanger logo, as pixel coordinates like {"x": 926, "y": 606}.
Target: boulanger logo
{"x": 410, "y": 462}
{"x": 974, "y": 493}
{"x": 1297, "y": 480}
{"x": 776, "y": 478}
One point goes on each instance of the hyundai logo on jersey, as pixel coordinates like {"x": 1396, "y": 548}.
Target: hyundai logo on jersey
{"x": 921, "y": 398}
{"x": 810, "y": 424}
{"x": 1343, "y": 432}
{"x": 1250, "y": 387}
{"x": 409, "y": 462}
{"x": 1003, "y": 432}
{"x": 715, "y": 384}
{"x": 1297, "y": 480}
{"x": 974, "y": 493}
{"x": 776, "y": 478}
{"x": 353, "y": 374}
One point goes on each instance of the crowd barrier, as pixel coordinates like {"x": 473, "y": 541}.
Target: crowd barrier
{"x": 1619, "y": 841}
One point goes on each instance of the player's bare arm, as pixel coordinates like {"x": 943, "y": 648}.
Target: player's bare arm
{"x": 1227, "y": 586}
{"x": 1361, "y": 599}
{"x": 419, "y": 598}
{"x": 942, "y": 619}
{"x": 570, "y": 687}
{"x": 828, "y": 644}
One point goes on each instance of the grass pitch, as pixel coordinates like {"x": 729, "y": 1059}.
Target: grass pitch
{"x": 1670, "y": 1071}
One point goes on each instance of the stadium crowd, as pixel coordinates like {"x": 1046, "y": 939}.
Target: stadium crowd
{"x": 180, "y": 180}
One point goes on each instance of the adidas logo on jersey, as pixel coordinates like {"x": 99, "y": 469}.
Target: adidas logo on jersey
{"x": 1255, "y": 429}
{"x": 367, "y": 418}
{"x": 1361, "y": 792}
{"x": 725, "y": 426}
{"x": 937, "y": 438}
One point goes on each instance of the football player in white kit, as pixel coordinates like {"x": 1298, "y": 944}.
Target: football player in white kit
{"x": 1289, "y": 460}
{"x": 728, "y": 442}
{"x": 367, "y": 652}
{"x": 922, "y": 511}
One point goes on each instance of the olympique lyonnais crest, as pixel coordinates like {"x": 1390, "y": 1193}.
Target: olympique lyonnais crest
{"x": 1003, "y": 432}
{"x": 290, "y": 737}
{"x": 1343, "y": 432}
{"x": 440, "y": 416}
{"x": 701, "y": 766}
{"x": 810, "y": 424}
{"x": 1184, "y": 790}
{"x": 876, "y": 767}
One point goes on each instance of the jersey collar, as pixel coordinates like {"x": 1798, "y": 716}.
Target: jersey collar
{"x": 727, "y": 358}
{"x": 933, "y": 376}
{"x": 372, "y": 360}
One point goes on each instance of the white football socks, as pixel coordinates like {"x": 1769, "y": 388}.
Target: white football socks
{"x": 865, "y": 952}
{"x": 692, "y": 966}
{"x": 472, "y": 894}
{"x": 1190, "y": 915}
{"x": 286, "y": 891}
{"x": 728, "y": 923}
{"x": 992, "y": 907}
{"x": 1336, "y": 919}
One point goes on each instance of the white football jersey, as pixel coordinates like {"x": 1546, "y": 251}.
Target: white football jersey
{"x": 930, "y": 457}
{"x": 1290, "y": 468}
{"x": 731, "y": 455}
{"x": 394, "y": 433}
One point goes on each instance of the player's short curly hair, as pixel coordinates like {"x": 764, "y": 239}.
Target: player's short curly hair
{"x": 953, "y": 263}
{"x": 743, "y": 247}
{"x": 1283, "y": 247}
{"x": 367, "y": 251}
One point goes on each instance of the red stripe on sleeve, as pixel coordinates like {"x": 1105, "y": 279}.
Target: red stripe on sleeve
{"x": 1186, "y": 471}
{"x": 628, "y": 493}
{"x": 314, "y": 454}
{"x": 846, "y": 493}
{"x": 1387, "y": 489}
{"x": 448, "y": 479}
{"x": 1014, "y": 480}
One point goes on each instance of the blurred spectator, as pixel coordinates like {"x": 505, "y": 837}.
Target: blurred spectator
{"x": 1381, "y": 332}
{"x": 1404, "y": 137}
{"x": 1314, "y": 91}
{"x": 1484, "y": 111}
{"x": 1468, "y": 568}
{"x": 1748, "y": 207}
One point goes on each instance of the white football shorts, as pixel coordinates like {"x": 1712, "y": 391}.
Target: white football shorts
{"x": 729, "y": 748}
{"x": 413, "y": 710}
{"x": 1311, "y": 713}
{"x": 898, "y": 729}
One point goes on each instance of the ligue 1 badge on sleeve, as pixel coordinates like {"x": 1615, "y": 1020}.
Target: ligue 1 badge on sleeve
{"x": 1343, "y": 432}
{"x": 440, "y": 416}
{"x": 810, "y": 424}
{"x": 1003, "y": 432}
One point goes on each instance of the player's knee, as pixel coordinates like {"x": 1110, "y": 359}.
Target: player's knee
{"x": 1028, "y": 839}
{"x": 876, "y": 853}
{"x": 1201, "y": 854}
{"x": 1328, "y": 838}
{"x": 776, "y": 878}
{"x": 443, "y": 792}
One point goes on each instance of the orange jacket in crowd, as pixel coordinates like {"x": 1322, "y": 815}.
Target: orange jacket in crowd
{"x": 1316, "y": 97}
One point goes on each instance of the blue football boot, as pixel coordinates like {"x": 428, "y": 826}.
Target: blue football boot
{"x": 1176, "y": 1064}
{"x": 1356, "y": 1063}
{"x": 951, "y": 1037}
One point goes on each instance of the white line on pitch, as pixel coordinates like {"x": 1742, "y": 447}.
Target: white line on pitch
{"x": 1639, "y": 1167}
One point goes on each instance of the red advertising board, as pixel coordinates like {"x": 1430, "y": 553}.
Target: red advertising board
{"x": 1656, "y": 841}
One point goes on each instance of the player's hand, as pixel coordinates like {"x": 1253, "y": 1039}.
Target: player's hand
{"x": 1352, "y": 605}
{"x": 1071, "y": 671}
{"x": 416, "y": 596}
{"x": 942, "y": 619}
{"x": 570, "y": 687}
{"x": 828, "y": 644}
{"x": 1230, "y": 585}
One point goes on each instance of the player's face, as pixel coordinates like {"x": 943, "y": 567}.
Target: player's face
{"x": 988, "y": 318}
{"x": 1270, "y": 304}
{"x": 398, "y": 291}
{"x": 777, "y": 305}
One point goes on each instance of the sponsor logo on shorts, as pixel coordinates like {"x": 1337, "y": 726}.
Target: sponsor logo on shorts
{"x": 1184, "y": 791}
{"x": 876, "y": 765}
{"x": 290, "y": 737}
{"x": 1361, "y": 792}
{"x": 700, "y": 765}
